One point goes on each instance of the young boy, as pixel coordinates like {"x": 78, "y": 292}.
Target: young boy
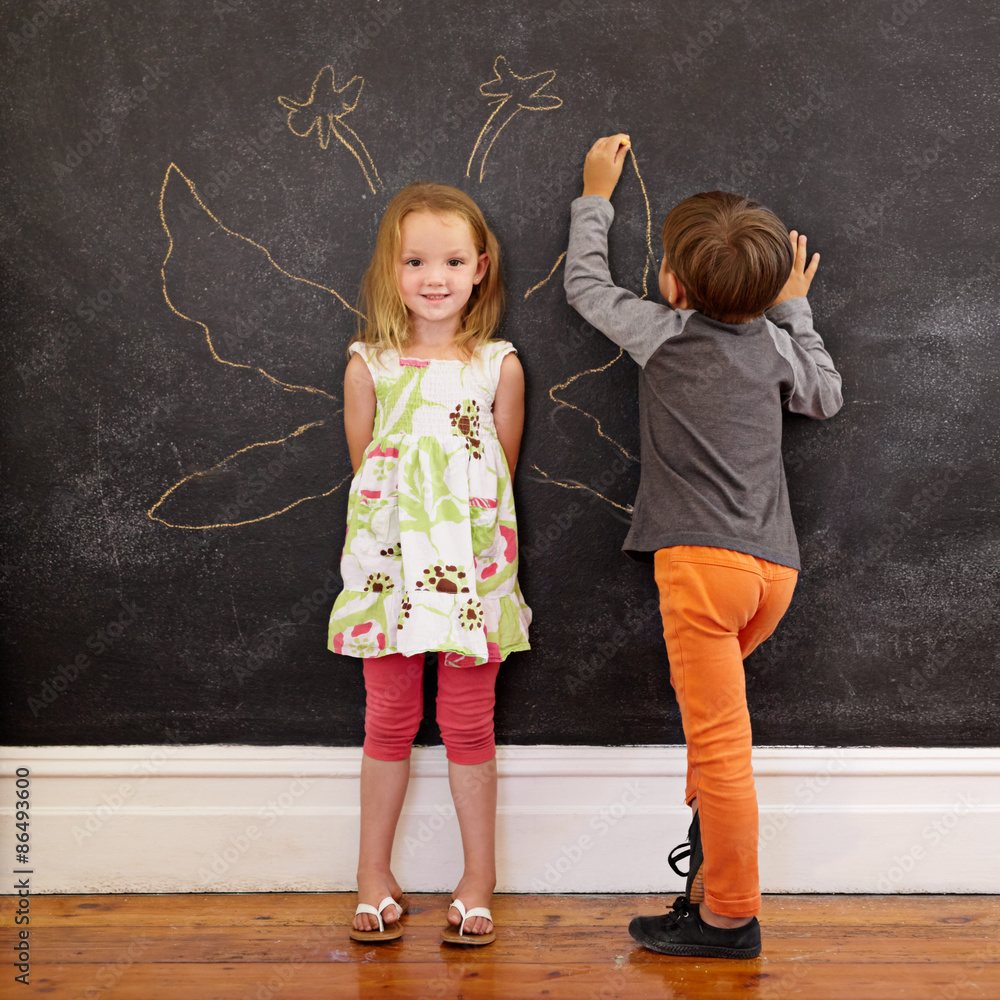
{"x": 712, "y": 509}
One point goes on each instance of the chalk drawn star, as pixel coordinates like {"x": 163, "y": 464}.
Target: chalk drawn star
{"x": 325, "y": 112}
{"x": 507, "y": 86}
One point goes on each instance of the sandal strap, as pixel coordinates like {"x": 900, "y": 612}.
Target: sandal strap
{"x": 368, "y": 908}
{"x": 476, "y": 911}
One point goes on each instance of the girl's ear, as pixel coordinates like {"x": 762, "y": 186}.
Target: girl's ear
{"x": 481, "y": 267}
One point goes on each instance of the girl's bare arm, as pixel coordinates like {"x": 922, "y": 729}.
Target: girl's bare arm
{"x": 508, "y": 408}
{"x": 359, "y": 409}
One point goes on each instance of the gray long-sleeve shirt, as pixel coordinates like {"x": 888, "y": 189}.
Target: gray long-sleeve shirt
{"x": 710, "y": 399}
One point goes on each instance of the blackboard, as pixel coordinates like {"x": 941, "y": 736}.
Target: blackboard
{"x": 182, "y": 246}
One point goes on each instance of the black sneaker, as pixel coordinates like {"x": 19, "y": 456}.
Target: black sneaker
{"x": 691, "y": 848}
{"x": 683, "y": 932}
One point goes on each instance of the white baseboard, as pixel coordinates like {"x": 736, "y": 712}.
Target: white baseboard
{"x": 570, "y": 819}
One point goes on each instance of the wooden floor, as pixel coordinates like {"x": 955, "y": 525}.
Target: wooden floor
{"x": 295, "y": 946}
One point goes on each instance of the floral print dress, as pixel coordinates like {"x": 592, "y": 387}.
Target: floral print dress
{"x": 430, "y": 560}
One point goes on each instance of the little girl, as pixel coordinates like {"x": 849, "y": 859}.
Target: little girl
{"x": 433, "y": 410}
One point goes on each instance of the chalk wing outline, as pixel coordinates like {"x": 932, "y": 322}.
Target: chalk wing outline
{"x": 573, "y": 484}
{"x": 303, "y": 429}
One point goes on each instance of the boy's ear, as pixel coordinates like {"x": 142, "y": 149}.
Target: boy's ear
{"x": 672, "y": 289}
{"x": 681, "y": 298}
{"x": 481, "y": 268}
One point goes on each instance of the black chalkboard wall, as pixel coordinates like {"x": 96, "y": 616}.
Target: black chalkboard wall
{"x": 135, "y": 131}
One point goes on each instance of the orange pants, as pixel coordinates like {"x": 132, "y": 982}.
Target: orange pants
{"x": 717, "y": 607}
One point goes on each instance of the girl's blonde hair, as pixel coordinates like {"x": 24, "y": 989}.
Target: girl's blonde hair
{"x": 385, "y": 323}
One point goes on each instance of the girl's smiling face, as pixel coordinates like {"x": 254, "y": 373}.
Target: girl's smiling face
{"x": 437, "y": 269}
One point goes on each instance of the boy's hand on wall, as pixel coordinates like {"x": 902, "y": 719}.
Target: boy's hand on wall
{"x": 604, "y": 163}
{"x": 801, "y": 277}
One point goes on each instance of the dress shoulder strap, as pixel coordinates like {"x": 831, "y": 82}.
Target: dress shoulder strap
{"x": 378, "y": 364}
{"x": 491, "y": 355}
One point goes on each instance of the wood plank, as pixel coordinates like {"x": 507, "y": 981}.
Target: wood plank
{"x": 473, "y": 978}
{"x": 296, "y": 946}
{"x": 312, "y": 909}
{"x": 533, "y": 945}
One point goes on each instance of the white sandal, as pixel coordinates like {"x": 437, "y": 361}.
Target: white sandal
{"x": 390, "y": 933}
{"x": 451, "y": 935}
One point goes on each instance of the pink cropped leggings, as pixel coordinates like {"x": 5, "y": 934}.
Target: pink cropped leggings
{"x": 395, "y": 707}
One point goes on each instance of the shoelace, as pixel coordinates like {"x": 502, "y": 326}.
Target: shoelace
{"x": 681, "y": 908}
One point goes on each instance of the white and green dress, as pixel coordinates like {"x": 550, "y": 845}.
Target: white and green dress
{"x": 430, "y": 560}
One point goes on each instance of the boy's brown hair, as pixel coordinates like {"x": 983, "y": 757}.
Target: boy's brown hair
{"x": 731, "y": 254}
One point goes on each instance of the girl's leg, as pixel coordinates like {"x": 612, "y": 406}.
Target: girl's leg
{"x": 474, "y": 789}
{"x": 394, "y": 708}
{"x": 383, "y": 787}
{"x": 466, "y": 699}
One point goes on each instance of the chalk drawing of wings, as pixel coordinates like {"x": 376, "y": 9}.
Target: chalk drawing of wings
{"x": 254, "y": 318}
{"x": 604, "y": 466}
{"x": 253, "y": 314}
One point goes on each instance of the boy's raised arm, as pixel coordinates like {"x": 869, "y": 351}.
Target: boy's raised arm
{"x": 637, "y": 325}
{"x": 815, "y": 387}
